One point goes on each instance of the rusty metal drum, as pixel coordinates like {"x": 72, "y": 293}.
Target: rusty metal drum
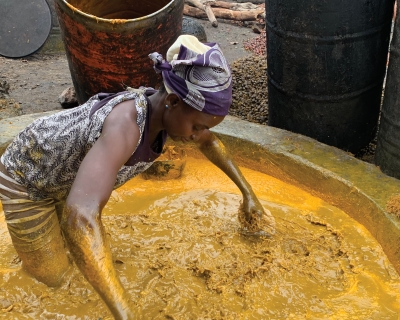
{"x": 107, "y": 42}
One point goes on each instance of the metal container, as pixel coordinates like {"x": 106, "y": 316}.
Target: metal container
{"x": 326, "y": 65}
{"x": 107, "y": 42}
{"x": 387, "y": 155}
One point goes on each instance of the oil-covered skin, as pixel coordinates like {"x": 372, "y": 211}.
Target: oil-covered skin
{"x": 216, "y": 152}
{"x": 91, "y": 252}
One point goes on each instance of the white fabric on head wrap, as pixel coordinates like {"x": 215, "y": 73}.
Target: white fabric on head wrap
{"x": 190, "y": 42}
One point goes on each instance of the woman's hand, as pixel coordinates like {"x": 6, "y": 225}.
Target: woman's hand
{"x": 252, "y": 207}
{"x": 216, "y": 152}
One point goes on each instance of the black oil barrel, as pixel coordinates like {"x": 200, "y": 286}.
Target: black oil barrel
{"x": 326, "y": 65}
{"x": 387, "y": 155}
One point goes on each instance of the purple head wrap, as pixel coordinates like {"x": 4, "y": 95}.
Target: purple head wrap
{"x": 203, "y": 81}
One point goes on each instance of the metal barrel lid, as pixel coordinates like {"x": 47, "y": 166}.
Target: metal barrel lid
{"x": 24, "y": 26}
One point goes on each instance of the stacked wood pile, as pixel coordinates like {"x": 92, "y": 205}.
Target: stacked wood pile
{"x": 212, "y": 9}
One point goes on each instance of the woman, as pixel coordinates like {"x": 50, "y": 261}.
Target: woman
{"x": 65, "y": 166}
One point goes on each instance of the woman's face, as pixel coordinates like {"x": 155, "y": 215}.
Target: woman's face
{"x": 184, "y": 123}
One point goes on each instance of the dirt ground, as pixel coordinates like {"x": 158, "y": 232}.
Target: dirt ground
{"x": 36, "y": 81}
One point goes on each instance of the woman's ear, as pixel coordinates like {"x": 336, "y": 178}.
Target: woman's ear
{"x": 172, "y": 100}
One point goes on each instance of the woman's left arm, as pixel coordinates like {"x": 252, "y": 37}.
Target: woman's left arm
{"x": 216, "y": 152}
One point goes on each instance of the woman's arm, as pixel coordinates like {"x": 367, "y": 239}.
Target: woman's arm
{"x": 81, "y": 222}
{"x": 216, "y": 152}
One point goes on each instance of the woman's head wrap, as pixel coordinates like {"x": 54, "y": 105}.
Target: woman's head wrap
{"x": 198, "y": 73}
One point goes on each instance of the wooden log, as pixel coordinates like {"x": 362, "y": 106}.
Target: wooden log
{"x": 210, "y": 15}
{"x": 196, "y": 3}
{"x": 235, "y": 6}
{"x": 223, "y": 4}
{"x": 205, "y": 6}
{"x": 223, "y": 13}
{"x": 250, "y": 15}
{"x": 194, "y": 12}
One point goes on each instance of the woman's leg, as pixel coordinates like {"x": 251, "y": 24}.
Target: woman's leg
{"x": 43, "y": 255}
{"x": 35, "y": 232}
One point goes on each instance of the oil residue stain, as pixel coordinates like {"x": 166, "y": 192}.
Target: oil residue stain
{"x": 178, "y": 249}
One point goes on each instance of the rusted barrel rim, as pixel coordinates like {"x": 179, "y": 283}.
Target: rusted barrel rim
{"x": 112, "y": 21}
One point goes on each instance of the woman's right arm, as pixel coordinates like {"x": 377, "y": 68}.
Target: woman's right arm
{"x": 81, "y": 221}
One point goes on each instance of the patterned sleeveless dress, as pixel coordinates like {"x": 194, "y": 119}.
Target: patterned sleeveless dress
{"x": 46, "y": 155}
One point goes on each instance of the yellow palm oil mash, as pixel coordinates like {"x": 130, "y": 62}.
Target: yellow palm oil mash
{"x": 182, "y": 255}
